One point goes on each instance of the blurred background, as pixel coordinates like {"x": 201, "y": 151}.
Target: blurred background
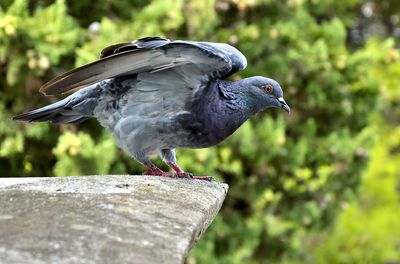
{"x": 321, "y": 185}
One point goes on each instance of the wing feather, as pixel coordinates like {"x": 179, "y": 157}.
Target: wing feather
{"x": 216, "y": 60}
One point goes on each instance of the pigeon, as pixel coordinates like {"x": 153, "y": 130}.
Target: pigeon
{"x": 155, "y": 95}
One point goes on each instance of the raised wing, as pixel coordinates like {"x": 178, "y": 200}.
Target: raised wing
{"x": 213, "y": 60}
{"x": 143, "y": 43}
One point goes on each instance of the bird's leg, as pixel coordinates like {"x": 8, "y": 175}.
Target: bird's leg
{"x": 141, "y": 156}
{"x": 169, "y": 157}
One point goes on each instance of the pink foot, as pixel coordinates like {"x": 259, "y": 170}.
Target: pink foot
{"x": 203, "y": 178}
{"x": 181, "y": 173}
{"x": 164, "y": 174}
{"x": 155, "y": 171}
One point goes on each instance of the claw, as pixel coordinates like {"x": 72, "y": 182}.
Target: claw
{"x": 184, "y": 175}
{"x": 155, "y": 171}
{"x": 163, "y": 174}
{"x": 203, "y": 178}
{"x": 189, "y": 175}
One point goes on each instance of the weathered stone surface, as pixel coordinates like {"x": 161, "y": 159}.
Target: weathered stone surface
{"x": 104, "y": 219}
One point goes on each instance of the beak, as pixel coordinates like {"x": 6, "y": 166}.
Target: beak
{"x": 284, "y": 105}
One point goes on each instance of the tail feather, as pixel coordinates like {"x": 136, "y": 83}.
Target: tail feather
{"x": 42, "y": 114}
{"x": 75, "y": 108}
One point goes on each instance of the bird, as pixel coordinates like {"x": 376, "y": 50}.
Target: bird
{"x": 156, "y": 95}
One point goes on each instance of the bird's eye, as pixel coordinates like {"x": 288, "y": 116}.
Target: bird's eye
{"x": 268, "y": 88}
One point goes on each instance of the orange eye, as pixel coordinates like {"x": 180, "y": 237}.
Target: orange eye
{"x": 268, "y": 88}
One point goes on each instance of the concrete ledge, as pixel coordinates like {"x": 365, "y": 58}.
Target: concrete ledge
{"x": 104, "y": 219}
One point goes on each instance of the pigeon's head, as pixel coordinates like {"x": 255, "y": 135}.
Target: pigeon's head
{"x": 266, "y": 92}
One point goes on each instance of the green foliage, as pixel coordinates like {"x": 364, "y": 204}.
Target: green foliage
{"x": 78, "y": 154}
{"x": 368, "y": 229}
{"x": 289, "y": 175}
